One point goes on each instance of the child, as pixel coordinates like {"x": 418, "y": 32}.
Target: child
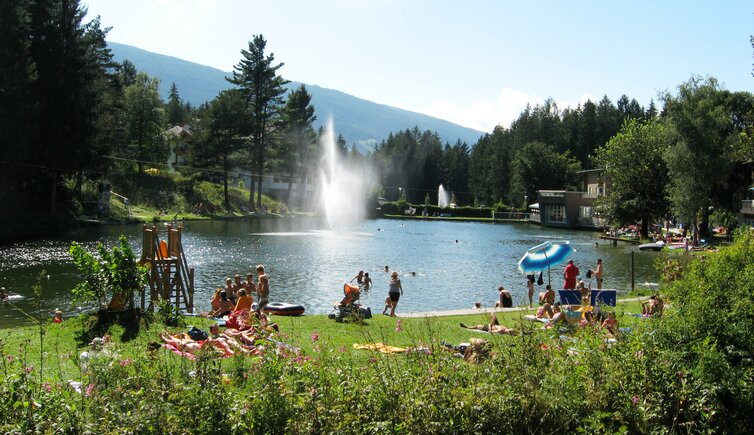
{"x": 58, "y": 317}
{"x": 388, "y": 305}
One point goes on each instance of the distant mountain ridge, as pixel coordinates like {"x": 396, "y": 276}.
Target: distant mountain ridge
{"x": 361, "y": 122}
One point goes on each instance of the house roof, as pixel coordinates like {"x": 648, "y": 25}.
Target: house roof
{"x": 180, "y": 131}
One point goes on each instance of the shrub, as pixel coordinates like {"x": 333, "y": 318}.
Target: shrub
{"x": 112, "y": 274}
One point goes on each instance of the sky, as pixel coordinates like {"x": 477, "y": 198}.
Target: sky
{"x": 476, "y": 63}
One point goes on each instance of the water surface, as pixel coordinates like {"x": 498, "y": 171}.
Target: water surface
{"x": 456, "y": 263}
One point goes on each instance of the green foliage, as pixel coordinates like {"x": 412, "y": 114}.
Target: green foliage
{"x": 109, "y": 274}
{"x": 705, "y": 125}
{"x": 538, "y": 166}
{"x": 218, "y": 137}
{"x": 167, "y": 314}
{"x": 56, "y": 107}
{"x": 712, "y": 333}
{"x": 413, "y": 164}
{"x": 145, "y": 120}
{"x": 298, "y": 145}
{"x": 633, "y": 163}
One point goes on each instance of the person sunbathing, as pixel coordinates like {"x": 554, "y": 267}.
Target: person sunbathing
{"x": 184, "y": 344}
{"x": 570, "y": 316}
{"x": 494, "y": 327}
{"x": 652, "y": 307}
{"x": 216, "y": 342}
{"x": 611, "y": 324}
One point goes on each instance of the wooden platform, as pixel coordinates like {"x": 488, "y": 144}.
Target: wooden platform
{"x": 615, "y": 240}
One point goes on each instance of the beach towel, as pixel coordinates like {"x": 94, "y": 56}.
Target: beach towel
{"x": 384, "y": 348}
{"x": 177, "y": 351}
{"x": 533, "y": 318}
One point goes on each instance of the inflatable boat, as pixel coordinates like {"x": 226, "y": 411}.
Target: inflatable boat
{"x": 283, "y": 309}
{"x": 656, "y": 246}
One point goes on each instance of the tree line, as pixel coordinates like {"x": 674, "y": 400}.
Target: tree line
{"x": 65, "y": 105}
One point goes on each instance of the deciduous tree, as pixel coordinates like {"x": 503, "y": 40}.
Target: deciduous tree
{"x": 633, "y": 162}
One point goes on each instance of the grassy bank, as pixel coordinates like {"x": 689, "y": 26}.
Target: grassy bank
{"x": 327, "y": 386}
{"x": 165, "y": 196}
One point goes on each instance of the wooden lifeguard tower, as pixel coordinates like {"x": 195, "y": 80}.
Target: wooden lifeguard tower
{"x": 169, "y": 274}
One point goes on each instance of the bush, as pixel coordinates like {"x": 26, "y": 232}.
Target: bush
{"x": 113, "y": 274}
{"x": 711, "y": 334}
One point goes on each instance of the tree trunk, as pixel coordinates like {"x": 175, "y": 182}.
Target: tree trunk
{"x": 251, "y": 178}
{"x": 645, "y": 227}
{"x": 704, "y": 224}
{"x": 79, "y": 182}
{"x": 290, "y": 191}
{"x": 259, "y": 186}
{"x": 260, "y": 170}
{"x": 225, "y": 181}
{"x": 54, "y": 193}
{"x": 303, "y": 191}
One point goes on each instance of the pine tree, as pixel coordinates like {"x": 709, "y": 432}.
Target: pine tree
{"x": 300, "y": 137}
{"x": 175, "y": 108}
{"x": 263, "y": 90}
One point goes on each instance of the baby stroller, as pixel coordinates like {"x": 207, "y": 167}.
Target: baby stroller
{"x": 349, "y": 307}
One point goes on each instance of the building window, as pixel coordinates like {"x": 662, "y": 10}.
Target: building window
{"x": 557, "y": 213}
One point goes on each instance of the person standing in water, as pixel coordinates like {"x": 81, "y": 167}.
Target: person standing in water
{"x": 359, "y": 278}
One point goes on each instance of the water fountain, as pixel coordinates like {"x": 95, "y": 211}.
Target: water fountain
{"x": 343, "y": 191}
{"x": 443, "y": 197}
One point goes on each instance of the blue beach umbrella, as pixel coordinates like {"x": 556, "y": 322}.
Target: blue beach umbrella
{"x": 544, "y": 256}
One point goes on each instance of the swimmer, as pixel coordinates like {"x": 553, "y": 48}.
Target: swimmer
{"x": 413, "y": 273}
{"x": 387, "y": 269}
{"x": 3, "y": 294}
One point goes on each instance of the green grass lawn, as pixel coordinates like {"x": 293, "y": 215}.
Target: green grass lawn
{"x": 313, "y": 334}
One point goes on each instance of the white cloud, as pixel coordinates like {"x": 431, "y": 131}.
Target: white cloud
{"x": 485, "y": 115}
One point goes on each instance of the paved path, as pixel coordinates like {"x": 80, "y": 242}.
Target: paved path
{"x": 485, "y": 310}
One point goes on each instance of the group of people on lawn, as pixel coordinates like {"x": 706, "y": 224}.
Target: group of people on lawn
{"x": 581, "y": 315}
{"x": 237, "y": 294}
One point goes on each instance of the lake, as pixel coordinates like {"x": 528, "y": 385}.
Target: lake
{"x": 456, "y": 263}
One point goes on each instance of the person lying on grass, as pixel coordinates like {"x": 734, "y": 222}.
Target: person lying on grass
{"x": 494, "y": 327}
{"x": 218, "y": 342}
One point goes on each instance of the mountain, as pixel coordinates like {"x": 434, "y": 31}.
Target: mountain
{"x": 361, "y": 122}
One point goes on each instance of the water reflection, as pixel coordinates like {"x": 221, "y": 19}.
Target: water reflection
{"x": 456, "y": 263}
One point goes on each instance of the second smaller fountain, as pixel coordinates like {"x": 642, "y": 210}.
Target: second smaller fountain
{"x": 443, "y": 197}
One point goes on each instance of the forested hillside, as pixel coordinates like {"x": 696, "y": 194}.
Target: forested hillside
{"x": 362, "y": 123}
